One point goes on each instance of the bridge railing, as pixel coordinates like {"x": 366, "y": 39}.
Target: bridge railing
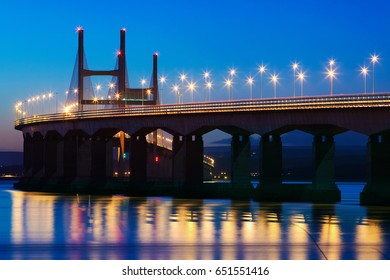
{"x": 313, "y": 102}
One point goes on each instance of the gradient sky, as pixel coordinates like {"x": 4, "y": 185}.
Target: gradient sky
{"x": 39, "y": 43}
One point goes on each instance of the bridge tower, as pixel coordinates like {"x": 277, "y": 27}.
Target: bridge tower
{"x": 128, "y": 96}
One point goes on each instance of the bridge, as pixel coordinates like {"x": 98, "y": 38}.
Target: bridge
{"x": 73, "y": 151}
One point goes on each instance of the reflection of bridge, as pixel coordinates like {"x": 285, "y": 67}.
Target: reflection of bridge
{"x": 77, "y": 146}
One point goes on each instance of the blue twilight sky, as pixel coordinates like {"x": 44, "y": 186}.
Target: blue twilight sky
{"x": 38, "y": 45}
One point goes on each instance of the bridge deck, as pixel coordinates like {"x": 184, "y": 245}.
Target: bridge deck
{"x": 296, "y": 103}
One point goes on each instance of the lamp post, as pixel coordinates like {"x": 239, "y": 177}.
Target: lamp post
{"x": 28, "y": 106}
{"x": 262, "y": 69}
{"x": 95, "y": 100}
{"x": 232, "y": 73}
{"x": 250, "y": 82}
{"x": 175, "y": 89}
{"x": 301, "y": 78}
{"x": 364, "y": 72}
{"x": 206, "y": 76}
{"x": 98, "y": 88}
{"x": 111, "y": 87}
{"x": 191, "y": 87}
{"x": 183, "y": 78}
{"x": 209, "y": 85}
{"x": 228, "y": 84}
{"x": 75, "y": 91}
{"x": 148, "y": 92}
{"x": 274, "y": 79}
{"x": 295, "y": 68}
{"x": 163, "y": 80}
{"x": 143, "y": 82}
{"x": 374, "y": 59}
{"x": 331, "y": 75}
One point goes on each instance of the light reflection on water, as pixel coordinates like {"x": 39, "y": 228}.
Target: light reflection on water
{"x": 48, "y": 226}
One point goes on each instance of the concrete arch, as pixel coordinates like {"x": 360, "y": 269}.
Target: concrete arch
{"x": 106, "y": 132}
{"x": 54, "y": 134}
{"x": 232, "y": 130}
{"x": 150, "y": 129}
{"x": 37, "y": 135}
{"x": 76, "y": 133}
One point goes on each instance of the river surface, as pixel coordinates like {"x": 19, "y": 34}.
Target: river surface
{"x": 51, "y": 226}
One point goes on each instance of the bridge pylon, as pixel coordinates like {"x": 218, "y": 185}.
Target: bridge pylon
{"x": 126, "y": 96}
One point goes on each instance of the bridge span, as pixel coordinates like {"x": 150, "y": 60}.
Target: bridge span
{"x": 72, "y": 151}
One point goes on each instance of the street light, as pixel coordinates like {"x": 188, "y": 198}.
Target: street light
{"x": 98, "y": 88}
{"x": 261, "y": 69}
{"x": 250, "y": 82}
{"x": 295, "y": 66}
{"x": 364, "y": 72}
{"x": 332, "y": 62}
{"x": 28, "y": 106}
{"x": 111, "y": 91}
{"x": 38, "y": 98}
{"x": 228, "y": 84}
{"x": 175, "y": 89}
{"x": 192, "y": 87}
{"x": 206, "y": 76}
{"x": 143, "y": 82}
{"x": 148, "y": 92}
{"x": 163, "y": 80}
{"x": 301, "y": 78}
{"x": 95, "y": 100}
{"x": 183, "y": 78}
{"x": 209, "y": 85}
{"x": 232, "y": 73}
{"x": 274, "y": 79}
{"x": 331, "y": 74}
{"x": 374, "y": 59}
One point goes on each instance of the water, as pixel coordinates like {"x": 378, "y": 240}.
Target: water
{"x": 51, "y": 226}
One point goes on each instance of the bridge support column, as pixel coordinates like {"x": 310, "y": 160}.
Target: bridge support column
{"x": 77, "y": 157}
{"x": 194, "y": 159}
{"x": 51, "y": 156}
{"x": 109, "y": 157}
{"x": 269, "y": 188}
{"x": 38, "y": 154}
{"x": 60, "y": 159}
{"x": 187, "y": 162}
{"x": 28, "y": 148}
{"x": 138, "y": 158}
{"x": 324, "y": 188}
{"x": 84, "y": 157}
{"x": 240, "y": 164}
{"x": 377, "y": 189}
{"x": 100, "y": 158}
{"x": 70, "y": 156}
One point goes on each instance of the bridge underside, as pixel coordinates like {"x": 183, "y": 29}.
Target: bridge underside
{"x": 81, "y": 163}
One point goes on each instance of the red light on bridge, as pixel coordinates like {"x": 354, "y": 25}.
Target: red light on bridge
{"x": 79, "y": 28}
{"x": 156, "y": 159}
{"x": 156, "y": 53}
{"x": 119, "y": 53}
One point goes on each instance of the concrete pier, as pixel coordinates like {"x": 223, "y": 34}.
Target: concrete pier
{"x": 187, "y": 152}
{"x": 377, "y": 189}
{"x": 323, "y": 188}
